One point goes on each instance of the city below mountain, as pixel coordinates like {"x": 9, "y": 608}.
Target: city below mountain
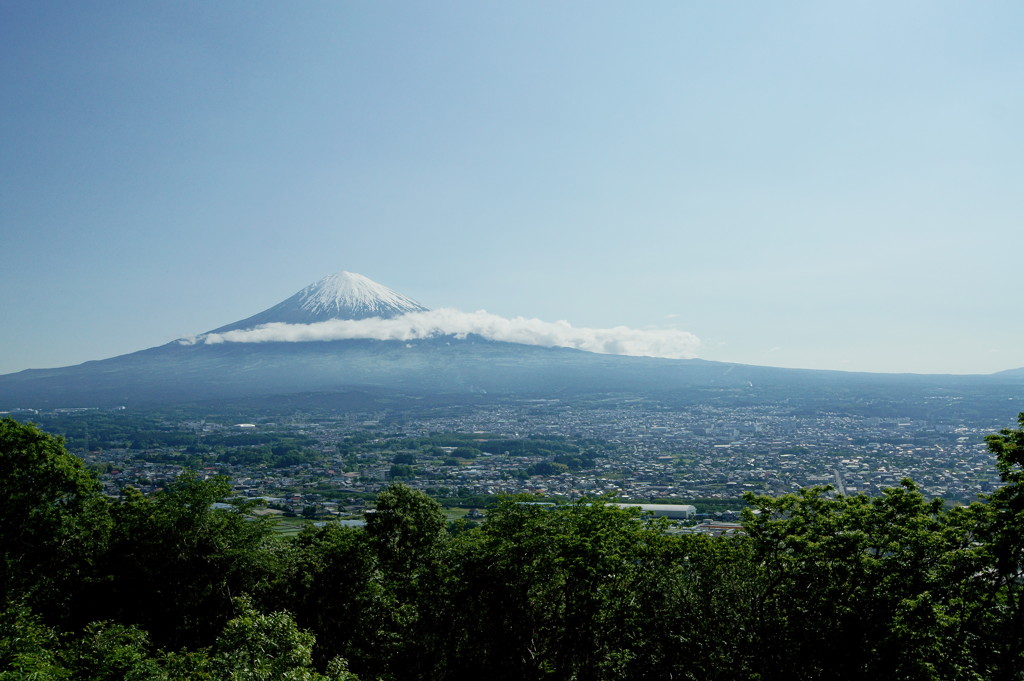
{"x": 226, "y": 365}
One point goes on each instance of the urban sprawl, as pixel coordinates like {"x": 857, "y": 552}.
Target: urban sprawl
{"x": 643, "y": 453}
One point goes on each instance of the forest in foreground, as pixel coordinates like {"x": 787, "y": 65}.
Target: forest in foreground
{"x": 175, "y": 586}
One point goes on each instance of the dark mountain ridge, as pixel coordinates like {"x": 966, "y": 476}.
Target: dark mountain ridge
{"x": 195, "y": 371}
{"x": 178, "y": 373}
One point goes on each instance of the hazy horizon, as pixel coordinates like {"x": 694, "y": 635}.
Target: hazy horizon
{"x": 804, "y": 185}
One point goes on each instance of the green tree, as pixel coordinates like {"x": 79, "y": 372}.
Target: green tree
{"x": 703, "y": 596}
{"x": 401, "y": 471}
{"x": 175, "y": 560}
{"x": 1004, "y": 536}
{"x": 334, "y": 587}
{"x": 107, "y": 651}
{"x": 258, "y": 647}
{"x": 860, "y": 587}
{"x": 407, "y": 532}
{"x": 406, "y": 527}
{"x": 28, "y": 648}
{"x": 55, "y": 520}
{"x": 557, "y": 592}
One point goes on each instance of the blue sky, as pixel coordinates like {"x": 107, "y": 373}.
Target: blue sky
{"x": 806, "y": 184}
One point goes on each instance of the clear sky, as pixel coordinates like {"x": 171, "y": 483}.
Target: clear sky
{"x": 835, "y": 185}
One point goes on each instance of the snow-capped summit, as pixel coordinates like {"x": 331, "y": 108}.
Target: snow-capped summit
{"x": 343, "y": 295}
{"x": 350, "y": 293}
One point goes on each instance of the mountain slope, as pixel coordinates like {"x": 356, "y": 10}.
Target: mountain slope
{"x": 178, "y": 373}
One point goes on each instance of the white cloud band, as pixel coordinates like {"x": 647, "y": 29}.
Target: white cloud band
{"x": 619, "y": 340}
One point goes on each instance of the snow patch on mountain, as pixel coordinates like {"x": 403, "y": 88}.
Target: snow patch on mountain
{"x": 344, "y": 295}
{"x": 620, "y": 340}
{"x": 347, "y": 291}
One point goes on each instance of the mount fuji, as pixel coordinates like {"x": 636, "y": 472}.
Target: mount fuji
{"x": 442, "y": 365}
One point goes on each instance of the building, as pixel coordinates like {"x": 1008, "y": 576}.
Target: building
{"x": 673, "y": 511}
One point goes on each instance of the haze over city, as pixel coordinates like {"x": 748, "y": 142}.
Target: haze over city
{"x": 813, "y": 185}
